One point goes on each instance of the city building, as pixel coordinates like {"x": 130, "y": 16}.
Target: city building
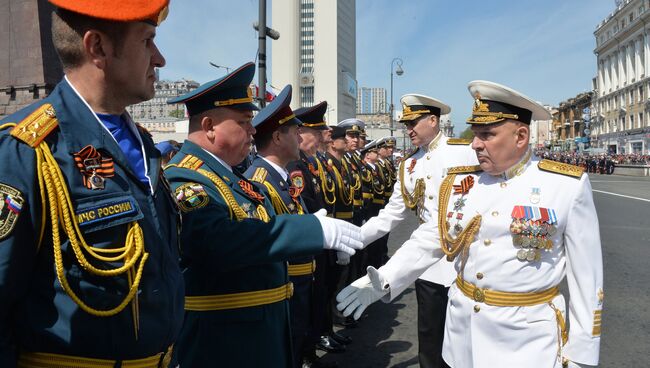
{"x": 157, "y": 110}
{"x": 541, "y": 131}
{"x": 29, "y": 66}
{"x": 371, "y": 101}
{"x": 316, "y": 53}
{"x": 571, "y": 123}
{"x": 620, "y": 122}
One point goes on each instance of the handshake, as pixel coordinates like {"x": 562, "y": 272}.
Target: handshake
{"x": 340, "y": 236}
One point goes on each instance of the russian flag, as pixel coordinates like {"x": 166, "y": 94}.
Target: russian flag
{"x": 13, "y": 205}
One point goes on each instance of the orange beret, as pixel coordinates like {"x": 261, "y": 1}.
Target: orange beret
{"x": 152, "y": 11}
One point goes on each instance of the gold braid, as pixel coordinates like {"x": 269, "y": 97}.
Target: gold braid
{"x": 56, "y": 198}
{"x": 453, "y": 246}
{"x": 346, "y": 199}
{"x": 413, "y": 201}
{"x": 323, "y": 183}
{"x": 227, "y": 196}
{"x": 277, "y": 202}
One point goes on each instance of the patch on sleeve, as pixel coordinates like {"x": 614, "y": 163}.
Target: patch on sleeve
{"x": 11, "y": 203}
{"x": 598, "y": 315}
{"x": 191, "y": 196}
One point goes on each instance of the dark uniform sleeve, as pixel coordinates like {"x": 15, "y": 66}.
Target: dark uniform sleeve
{"x": 19, "y": 232}
{"x": 210, "y": 233}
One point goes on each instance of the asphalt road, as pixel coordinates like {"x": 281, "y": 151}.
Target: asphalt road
{"x": 387, "y": 333}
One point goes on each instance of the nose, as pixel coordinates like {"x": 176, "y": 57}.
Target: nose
{"x": 477, "y": 144}
{"x": 158, "y": 59}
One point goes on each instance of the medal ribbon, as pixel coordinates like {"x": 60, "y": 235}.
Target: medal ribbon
{"x": 247, "y": 187}
{"x": 465, "y": 185}
{"x": 103, "y": 165}
{"x": 412, "y": 166}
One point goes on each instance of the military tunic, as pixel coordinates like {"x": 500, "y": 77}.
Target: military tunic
{"x": 36, "y": 313}
{"x": 224, "y": 255}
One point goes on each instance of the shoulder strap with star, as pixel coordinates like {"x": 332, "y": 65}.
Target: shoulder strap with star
{"x": 561, "y": 168}
{"x": 464, "y": 169}
{"x": 36, "y": 126}
{"x": 459, "y": 141}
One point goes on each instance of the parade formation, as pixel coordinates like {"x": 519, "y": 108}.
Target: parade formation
{"x": 116, "y": 252}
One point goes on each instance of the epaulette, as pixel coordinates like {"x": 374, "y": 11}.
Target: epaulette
{"x": 411, "y": 154}
{"x": 36, "y": 126}
{"x": 561, "y": 168}
{"x": 459, "y": 141}
{"x": 464, "y": 169}
{"x": 143, "y": 130}
{"x": 190, "y": 162}
{"x": 259, "y": 175}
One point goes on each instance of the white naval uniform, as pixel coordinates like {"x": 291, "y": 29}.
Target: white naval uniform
{"x": 430, "y": 165}
{"x": 480, "y": 335}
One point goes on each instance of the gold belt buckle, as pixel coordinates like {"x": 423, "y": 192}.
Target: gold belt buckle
{"x": 479, "y": 295}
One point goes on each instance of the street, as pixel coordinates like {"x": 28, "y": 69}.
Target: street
{"x": 387, "y": 334}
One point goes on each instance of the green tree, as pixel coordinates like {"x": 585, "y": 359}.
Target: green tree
{"x": 467, "y": 134}
{"x": 178, "y": 114}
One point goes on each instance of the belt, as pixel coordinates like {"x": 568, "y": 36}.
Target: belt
{"x": 367, "y": 195}
{"x": 378, "y": 201}
{"x": 49, "y": 360}
{"x": 503, "y": 298}
{"x": 358, "y": 202}
{"x": 343, "y": 215}
{"x": 238, "y": 300}
{"x": 302, "y": 269}
{"x": 388, "y": 194}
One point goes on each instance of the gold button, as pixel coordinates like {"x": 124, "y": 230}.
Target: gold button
{"x": 479, "y": 276}
{"x": 430, "y": 197}
{"x": 487, "y": 241}
{"x": 477, "y": 308}
{"x": 428, "y": 176}
{"x": 495, "y": 213}
{"x": 504, "y": 184}
{"x": 428, "y": 157}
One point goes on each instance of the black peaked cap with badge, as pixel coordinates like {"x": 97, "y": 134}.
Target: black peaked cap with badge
{"x": 232, "y": 90}
{"x": 314, "y": 116}
{"x": 494, "y": 103}
{"x": 276, "y": 114}
{"x": 338, "y": 132}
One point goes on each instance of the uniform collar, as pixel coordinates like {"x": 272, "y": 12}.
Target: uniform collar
{"x": 434, "y": 143}
{"x": 519, "y": 167}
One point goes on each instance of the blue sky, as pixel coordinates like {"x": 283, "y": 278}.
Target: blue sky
{"x": 543, "y": 48}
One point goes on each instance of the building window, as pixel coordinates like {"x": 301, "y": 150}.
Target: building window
{"x": 640, "y": 123}
{"x": 308, "y": 24}
{"x": 631, "y": 17}
{"x": 306, "y": 96}
{"x": 631, "y": 125}
{"x": 641, "y": 94}
{"x": 631, "y": 97}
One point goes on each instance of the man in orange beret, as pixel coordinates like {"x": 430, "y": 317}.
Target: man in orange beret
{"x": 89, "y": 273}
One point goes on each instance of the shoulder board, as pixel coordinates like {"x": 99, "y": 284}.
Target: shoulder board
{"x": 459, "y": 141}
{"x": 561, "y": 168}
{"x": 464, "y": 169}
{"x": 190, "y": 162}
{"x": 260, "y": 175}
{"x": 411, "y": 154}
{"x": 35, "y": 127}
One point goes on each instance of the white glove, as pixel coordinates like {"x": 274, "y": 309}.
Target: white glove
{"x": 342, "y": 259}
{"x": 365, "y": 236}
{"x": 357, "y": 296}
{"x": 338, "y": 234}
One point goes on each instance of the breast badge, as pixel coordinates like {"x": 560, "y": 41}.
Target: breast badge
{"x": 11, "y": 204}
{"x": 191, "y": 196}
{"x": 531, "y": 229}
{"x": 94, "y": 167}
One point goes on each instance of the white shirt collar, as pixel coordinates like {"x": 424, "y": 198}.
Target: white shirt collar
{"x": 218, "y": 159}
{"x": 281, "y": 170}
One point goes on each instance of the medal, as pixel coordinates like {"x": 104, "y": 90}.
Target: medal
{"x": 530, "y": 255}
{"x": 458, "y": 228}
{"x": 96, "y": 181}
{"x": 93, "y": 167}
{"x": 521, "y": 255}
{"x": 535, "y": 196}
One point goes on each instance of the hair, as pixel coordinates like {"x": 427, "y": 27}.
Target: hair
{"x": 264, "y": 139}
{"x": 69, "y": 28}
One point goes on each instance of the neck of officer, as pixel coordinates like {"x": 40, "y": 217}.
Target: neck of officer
{"x": 434, "y": 135}
{"x": 274, "y": 156}
{"x": 336, "y": 153}
{"x": 91, "y": 85}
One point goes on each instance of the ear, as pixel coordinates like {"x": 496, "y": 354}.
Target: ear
{"x": 207, "y": 125}
{"x": 275, "y": 137}
{"x": 96, "y": 47}
{"x": 522, "y": 134}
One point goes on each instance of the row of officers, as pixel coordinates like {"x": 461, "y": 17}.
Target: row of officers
{"x": 107, "y": 259}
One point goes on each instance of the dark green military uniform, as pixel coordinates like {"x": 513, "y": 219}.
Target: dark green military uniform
{"x": 107, "y": 200}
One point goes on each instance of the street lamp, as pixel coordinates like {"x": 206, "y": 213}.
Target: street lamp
{"x": 399, "y": 71}
{"x": 220, "y": 66}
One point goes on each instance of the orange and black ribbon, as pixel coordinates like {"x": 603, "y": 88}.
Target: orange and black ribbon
{"x": 247, "y": 187}
{"x": 90, "y": 162}
{"x": 412, "y": 166}
{"x": 465, "y": 185}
